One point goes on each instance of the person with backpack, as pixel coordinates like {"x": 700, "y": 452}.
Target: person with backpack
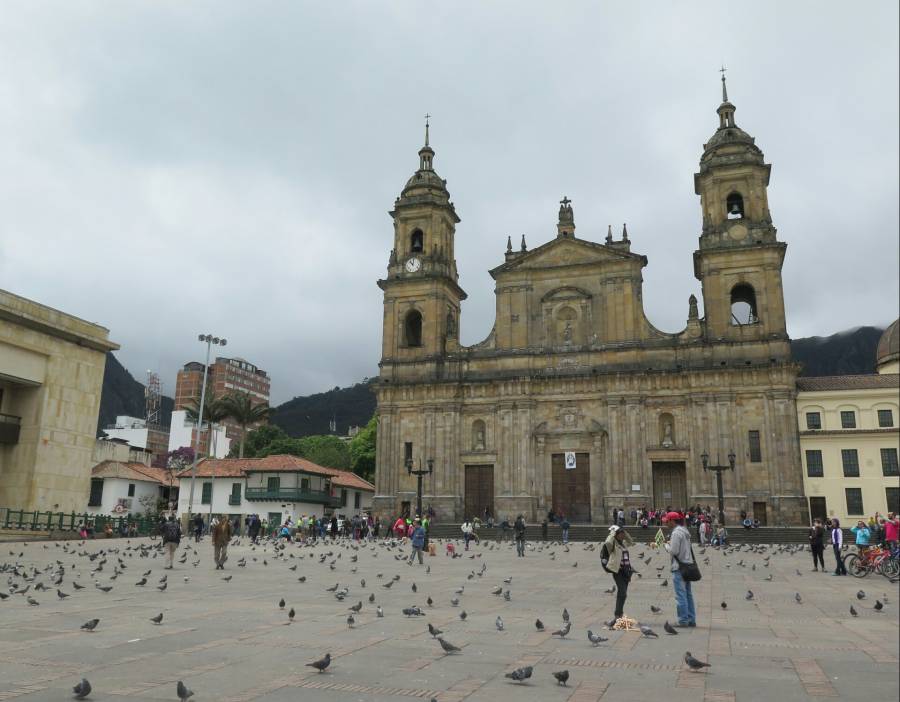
{"x": 519, "y": 529}
{"x": 679, "y": 548}
{"x": 171, "y": 537}
{"x": 615, "y": 560}
{"x": 817, "y": 544}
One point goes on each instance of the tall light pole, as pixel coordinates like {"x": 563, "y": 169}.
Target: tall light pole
{"x": 718, "y": 469}
{"x": 210, "y": 340}
{"x": 420, "y": 473}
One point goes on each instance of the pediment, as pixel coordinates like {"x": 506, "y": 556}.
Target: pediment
{"x": 562, "y": 252}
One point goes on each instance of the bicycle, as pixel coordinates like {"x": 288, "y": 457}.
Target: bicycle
{"x": 860, "y": 564}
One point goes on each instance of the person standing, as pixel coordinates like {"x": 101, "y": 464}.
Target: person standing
{"x": 221, "y": 534}
{"x": 544, "y": 530}
{"x": 679, "y": 548}
{"x": 837, "y": 541}
{"x": 616, "y": 561}
{"x": 564, "y": 525}
{"x": 890, "y": 531}
{"x": 171, "y": 537}
{"x": 519, "y": 529}
{"x": 418, "y": 541}
{"x": 467, "y": 532}
{"x": 863, "y": 535}
{"x": 817, "y": 544}
{"x": 198, "y": 527}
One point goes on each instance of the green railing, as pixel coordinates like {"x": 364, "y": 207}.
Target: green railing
{"x": 24, "y": 520}
{"x": 292, "y": 495}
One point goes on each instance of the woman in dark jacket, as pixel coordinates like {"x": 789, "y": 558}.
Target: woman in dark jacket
{"x": 817, "y": 544}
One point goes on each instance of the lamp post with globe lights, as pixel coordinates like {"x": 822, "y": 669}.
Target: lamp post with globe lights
{"x": 420, "y": 473}
{"x": 704, "y": 457}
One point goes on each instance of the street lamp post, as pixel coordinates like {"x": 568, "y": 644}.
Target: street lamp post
{"x": 210, "y": 340}
{"x": 718, "y": 469}
{"x": 420, "y": 473}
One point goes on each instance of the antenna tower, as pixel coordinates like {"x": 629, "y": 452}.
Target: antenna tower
{"x": 151, "y": 398}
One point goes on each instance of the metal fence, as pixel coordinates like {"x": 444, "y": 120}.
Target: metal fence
{"x": 96, "y": 524}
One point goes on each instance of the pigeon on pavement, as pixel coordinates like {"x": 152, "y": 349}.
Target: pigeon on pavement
{"x": 595, "y": 639}
{"x": 183, "y": 692}
{"x": 561, "y": 633}
{"x": 562, "y": 677}
{"x": 693, "y": 663}
{"x": 648, "y": 632}
{"x": 878, "y": 606}
{"x": 157, "y": 619}
{"x": 655, "y": 610}
{"x": 853, "y": 612}
{"x": 90, "y": 625}
{"x": 669, "y": 629}
{"x": 321, "y": 664}
{"x": 538, "y": 624}
{"x": 447, "y": 646}
{"x": 434, "y": 631}
{"x": 82, "y": 689}
{"x": 521, "y": 674}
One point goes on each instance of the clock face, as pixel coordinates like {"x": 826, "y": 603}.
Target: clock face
{"x": 413, "y": 265}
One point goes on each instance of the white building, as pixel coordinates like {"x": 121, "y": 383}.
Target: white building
{"x": 122, "y": 476}
{"x": 274, "y": 488}
{"x": 181, "y": 435}
{"x": 137, "y": 432}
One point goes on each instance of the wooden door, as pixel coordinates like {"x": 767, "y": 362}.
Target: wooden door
{"x": 759, "y": 512}
{"x": 669, "y": 485}
{"x": 572, "y": 488}
{"x": 479, "y": 490}
{"x": 818, "y": 509}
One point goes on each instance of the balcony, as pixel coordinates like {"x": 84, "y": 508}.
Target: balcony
{"x": 292, "y": 495}
{"x": 234, "y": 500}
{"x": 9, "y": 428}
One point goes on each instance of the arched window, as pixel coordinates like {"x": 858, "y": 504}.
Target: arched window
{"x": 734, "y": 206}
{"x": 412, "y": 328}
{"x": 417, "y": 241}
{"x": 743, "y": 305}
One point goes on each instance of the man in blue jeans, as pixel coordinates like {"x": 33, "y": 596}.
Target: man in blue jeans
{"x": 679, "y": 548}
{"x": 418, "y": 541}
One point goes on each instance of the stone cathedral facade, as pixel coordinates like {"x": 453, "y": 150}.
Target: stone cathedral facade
{"x": 575, "y": 402}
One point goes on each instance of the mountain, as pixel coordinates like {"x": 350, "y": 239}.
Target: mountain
{"x": 845, "y": 353}
{"x": 312, "y": 414}
{"x": 122, "y": 394}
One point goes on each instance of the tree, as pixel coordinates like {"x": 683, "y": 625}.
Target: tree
{"x": 213, "y": 413}
{"x": 258, "y": 439}
{"x": 240, "y": 408}
{"x": 282, "y": 445}
{"x": 328, "y": 451}
{"x": 177, "y": 461}
{"x": 362, "y": 450}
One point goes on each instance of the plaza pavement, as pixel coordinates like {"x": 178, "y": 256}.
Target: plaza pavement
{"x": 229, "y": 641}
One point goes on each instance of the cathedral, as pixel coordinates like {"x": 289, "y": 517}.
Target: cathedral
{"x": 575, "y": 402}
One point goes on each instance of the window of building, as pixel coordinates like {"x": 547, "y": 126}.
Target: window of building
{"x": 343, "y": 497}
{"x": 407, "y": 452}
{"x": 206, "y": 496}
{"x": 813, "y": 420}
{"x": 235, "y": 493}
{"x": 892, "y": 496}
{"x": 273, "y": 484}
{"x": 304, "y": 484}
{"x": 850, "y": 461}
{"x": 854, "y": 500}
{"x": 814, "y": 467}
{"x": 734, "y": 206}
{"x": 885, "y": 418}
{"x": 848, "y": 419}
{"x": 130, "y": 489}
{"x": 417, "y": 241}
{"x": 889, "y": 466}
{"x": 96, "y": 498}
{"x": 412, "y": 328}
{"x": 755, "y": 448}
{"x": 357, "y": 499}
{"x": 743, "y": 305}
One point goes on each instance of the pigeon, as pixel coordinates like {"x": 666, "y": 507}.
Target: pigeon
{"x": 538, "y": 624}
{"x": 861, "y": 595}
{"x": 595, "y": 639}
{"x": 454, "y": 601}
{"x": 610, "y": 590}
{"x": 435, "y": 632}
{"x": 301, "y": 579}
{"x": 429, "y": 601}
{"x": 90, "y": 625}
{"x": 562, "y": 677}
{"x": 655, "y": 610}
{"x": 521, "y": 674}
{"x": 498, "y": 623}
{"x": 321, "y": 664}
{"x": 878, "y": 606}
{"x": 669, "y": 629}
{"x": 379, "y": 612}
{"x": 356, "y": 608}
{"x": 693, "y": 663}
{"x": 413, "y": 612}
{"x": 565, "y": 615}
{"x": 853, "y": 612}
{"x": 141, "y": 582}
{"x": 798, "y": 598}
{"x": 157, "y": 619}
{"x": 664, "y": 583}
{"x": 350, "y": 621}
{"x": 371, "y": 597}
{"x": 33, "y": 602}
{"x": 463, "y": 615}
{"x": 104, "y": 588}
{"x": 162, "y": 588}
{"x": 447, "y": 646}
{"x": 749, "y": 595}
{"x": 561, "y": 633}
{"x": 724, "y": 604}
{"x": 183, "y": 692}
{"x": 497, "y": 590}
{"x": 281, "y": 603}
{"x": 82, "y": 689}
{"x": 648, "y": 632}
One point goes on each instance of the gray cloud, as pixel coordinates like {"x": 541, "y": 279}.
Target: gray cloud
{"x": 176, "y": 168}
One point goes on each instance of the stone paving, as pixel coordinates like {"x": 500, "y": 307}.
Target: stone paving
{"x": 230, "y": 641}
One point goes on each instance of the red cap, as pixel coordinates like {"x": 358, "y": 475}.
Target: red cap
{"x": 673, "y": 516}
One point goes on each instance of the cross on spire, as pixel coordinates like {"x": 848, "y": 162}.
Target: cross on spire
{"x": 724, "y": 89}
{"x": 427, "y": 117}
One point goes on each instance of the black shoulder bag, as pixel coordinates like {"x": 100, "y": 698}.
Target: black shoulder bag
{"x": 690, "y": 572}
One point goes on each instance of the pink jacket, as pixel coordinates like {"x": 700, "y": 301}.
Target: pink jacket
{"x": 890, "y": 530}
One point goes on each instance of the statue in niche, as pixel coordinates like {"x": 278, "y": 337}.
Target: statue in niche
{"x": 567, "y": 333}
{"x": 667, "y": 440}
{"x": 478, "y": 436}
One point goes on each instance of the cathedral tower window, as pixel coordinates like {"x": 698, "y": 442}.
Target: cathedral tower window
{"x": 417, "y": 241}
{"x": 412, "y": 328}
{"x": 743, "y": 305}
{"x": 734, "y": 206}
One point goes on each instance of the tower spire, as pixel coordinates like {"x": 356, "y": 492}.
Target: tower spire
{"x": 426, "y": 153}
{"x": 428, "y": 117}
{"x": 726, "y": 109}
{"x": 724, "y": 88}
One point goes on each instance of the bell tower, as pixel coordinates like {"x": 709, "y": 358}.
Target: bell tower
{"x": 421, "y": 294}
{"x": 739, "y": 259}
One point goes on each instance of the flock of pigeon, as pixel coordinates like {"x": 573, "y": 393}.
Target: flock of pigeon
{"x": 76, "y": 563}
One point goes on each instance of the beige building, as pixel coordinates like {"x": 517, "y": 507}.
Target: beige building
{"x": 51, "y": 374}
{"x": 850, "y": 439}
{"x": 575, "y": 402}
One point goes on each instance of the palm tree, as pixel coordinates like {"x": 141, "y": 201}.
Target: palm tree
{"x": 240, "y": 408}
{"x": 213, "y": 413}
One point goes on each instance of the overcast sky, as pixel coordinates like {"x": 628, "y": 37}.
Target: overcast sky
{"x": 172, "y": 168}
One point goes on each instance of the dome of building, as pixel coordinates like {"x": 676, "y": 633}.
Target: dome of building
{"x": 887, "y": 355}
